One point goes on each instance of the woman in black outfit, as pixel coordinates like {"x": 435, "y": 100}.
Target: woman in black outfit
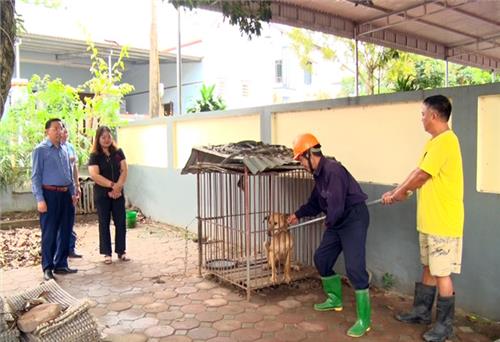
{"x": 108, "y": 169}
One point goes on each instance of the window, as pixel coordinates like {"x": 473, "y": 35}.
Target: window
{"x": 308, "y": 74}
{"x": 244, "y": 88}
{"x": 278, "y": 71}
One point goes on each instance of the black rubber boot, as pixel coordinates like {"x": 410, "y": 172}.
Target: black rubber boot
{"x": 422, "y": 306}
{"x": 443, "y": 328}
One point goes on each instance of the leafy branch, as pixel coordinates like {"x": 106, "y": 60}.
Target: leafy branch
{"x": 248, "y": 15}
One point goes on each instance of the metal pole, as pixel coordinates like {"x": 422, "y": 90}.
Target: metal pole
{"x": 200, "y": 235}
{"x": 357, "y": 67}
{"x": 247, "y": 229}
{"x": 18, "y": 58}
{"x": 494, "y": 76}
{"x": 179, "y": 62}
{"x": 446, "y": 80}
{"x": 109, "y": 64}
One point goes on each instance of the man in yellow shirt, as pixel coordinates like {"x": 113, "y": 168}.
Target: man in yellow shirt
{"x": 440, "y": 219}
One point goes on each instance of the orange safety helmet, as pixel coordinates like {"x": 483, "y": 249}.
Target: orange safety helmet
{"x": 302, "y": 143}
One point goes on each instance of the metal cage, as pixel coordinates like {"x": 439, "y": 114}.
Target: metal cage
{"x": 232, "y": 210}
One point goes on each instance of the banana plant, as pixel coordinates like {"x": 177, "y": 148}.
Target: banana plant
{"x": 208, "y": 101}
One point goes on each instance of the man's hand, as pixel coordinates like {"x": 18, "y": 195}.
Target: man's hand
{"x": 74, "y": 200}
{"x": 41, "y": 207}
{"x": 396, "y": 195}
{"x": 387, "y": 197}
{"x": 292, "y": 219}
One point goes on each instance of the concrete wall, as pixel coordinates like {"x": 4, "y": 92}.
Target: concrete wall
{"x": 17, "y": 200}
{"x": 379, "y": 137}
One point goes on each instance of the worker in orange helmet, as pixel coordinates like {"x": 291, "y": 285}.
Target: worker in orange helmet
{"x": 337, "y": 194}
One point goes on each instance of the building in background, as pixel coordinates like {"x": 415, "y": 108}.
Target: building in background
{"x": 247, "y": 73}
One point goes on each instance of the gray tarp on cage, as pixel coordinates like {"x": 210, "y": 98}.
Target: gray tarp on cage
{"x": 255, "y": 155}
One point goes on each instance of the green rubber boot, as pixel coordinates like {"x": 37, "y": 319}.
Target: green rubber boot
{"x": 363, "y": 309}
{"x": 333, "y": 290}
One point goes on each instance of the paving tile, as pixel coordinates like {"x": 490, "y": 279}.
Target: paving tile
{"x": 290, "y": 317}
{"x": 202, "y": 333}
{"x": 231, "y": 309}
{"x": 165, "y": 294}
{"x": 155, "y": 307}
{"x": 186, "y": 290}
{"x": 120, "y": 288}
{"x": 290, "y": 304}
{"x": 270, "y": 310}
{"x": 119, "y": 329}
{"x": 193, "y": 308}
{"x": 200, "y": 295}
{"x": 268, "y": 325}
{"x": 227, "y": 325}
{"x": 246, "y": 334}
{"x": 98, "y": 312}
{"x": 159, "y": 331}
{"x": 144, "y": 323}
{"x": 312, "y": 326}
{"x": 126, "y": 338}
{"x": 176, "y": 339}
{"x": 215, "y": 302}
{"x": 142, "y": 300}
{"x": 206, "y": 285}
{"x": 131, "y": 314}
{"x": 221, "y": 339}
{"x": 249, "y": 317}
{"x": 109, "y": 320}
{"x": 119, "y": 306}
{"x": 169, "y": 315}
{"x": 185, "y": 324}
{"x": 209, "y": 316}
{"x": 290, "y": 334}
{"x": 308, "y": 298}
{"x": 178, "y": 301}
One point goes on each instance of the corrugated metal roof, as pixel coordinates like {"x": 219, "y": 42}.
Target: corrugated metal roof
{"x": 67, "y": 51}
{"x": 256, "y": 156}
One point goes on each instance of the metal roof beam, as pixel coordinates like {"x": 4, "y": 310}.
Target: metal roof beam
{"x": 471, "y": 57}
{"x": 401, "y": 12}
{"x": 405, "y": 17}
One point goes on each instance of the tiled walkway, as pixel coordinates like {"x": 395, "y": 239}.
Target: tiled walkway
{"x": 158, "y": 297}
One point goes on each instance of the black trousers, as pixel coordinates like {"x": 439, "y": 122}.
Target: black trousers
{"x": 107, "y": 207}
{"x": 348, "y": 236}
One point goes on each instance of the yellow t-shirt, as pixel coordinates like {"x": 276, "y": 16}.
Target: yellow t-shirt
{"x": 440, "y": 205}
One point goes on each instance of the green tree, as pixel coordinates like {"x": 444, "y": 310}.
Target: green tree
{"x": 22, "y": 128}
{"x": 374, "y": 61}
{"x": 7, "y": 39}
{"x": 248, "y": 15}
{"x": 103, "y": 106}
{"x": 208, "y": 101}
{"x": 11, "y": 24}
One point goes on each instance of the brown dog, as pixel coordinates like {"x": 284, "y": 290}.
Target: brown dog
{"x": 279, "y": 245}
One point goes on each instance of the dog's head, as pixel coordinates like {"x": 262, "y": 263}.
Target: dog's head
{"x": 276, "y": 222}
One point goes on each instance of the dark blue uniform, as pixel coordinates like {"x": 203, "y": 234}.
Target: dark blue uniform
{"x": 337, "y": 194}
{"x": 52, "y": 182}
